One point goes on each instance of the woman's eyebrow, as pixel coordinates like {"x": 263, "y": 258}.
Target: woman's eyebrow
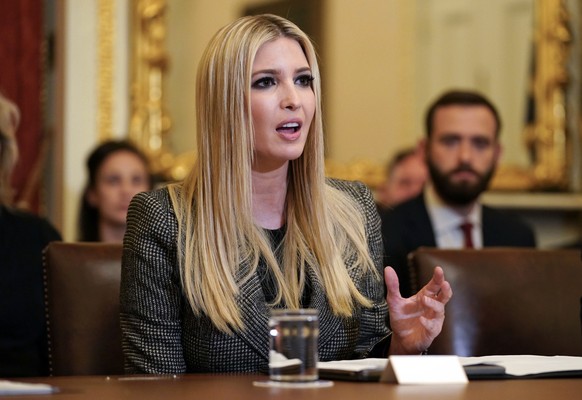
{"x": 272, "y": 71}
{"x": 267, "y": 71}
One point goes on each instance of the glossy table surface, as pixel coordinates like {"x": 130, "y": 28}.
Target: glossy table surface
{"x": 218, "y": 387}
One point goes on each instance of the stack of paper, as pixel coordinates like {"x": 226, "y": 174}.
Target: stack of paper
{"x": 513, "y": 366}
{"x": 531, "y": 366}
{"x": 9, "y": 388}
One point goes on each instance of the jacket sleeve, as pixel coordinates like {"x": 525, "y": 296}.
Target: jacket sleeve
{"x": 373, "y": 327}
{"x": 150, "y": 298}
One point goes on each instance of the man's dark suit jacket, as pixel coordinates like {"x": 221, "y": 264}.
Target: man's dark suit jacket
{"x": 408, "y": 227}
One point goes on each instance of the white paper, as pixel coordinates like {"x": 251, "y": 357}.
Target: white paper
{"x": 10, "y": 387}
{"x": 522, "y": 365}
{"x": 422, "y": 370}
{"x": 354, "y": 365}
{"x": 515, "y": 365}
{"x": 278, "y": 360}
{"x": 406, "y": 369}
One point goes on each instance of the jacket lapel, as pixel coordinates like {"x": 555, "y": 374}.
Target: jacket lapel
{"x": 418, "y": 233}
{"x": 420, "y": 224}
{"x": 255, "y": 314}
{"x": 328, "y": 324}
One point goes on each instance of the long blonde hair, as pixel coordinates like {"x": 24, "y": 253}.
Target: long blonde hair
{"x": 214, "y": 207}
{"x": 9, "y": 120}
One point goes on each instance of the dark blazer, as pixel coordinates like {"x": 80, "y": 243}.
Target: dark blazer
{"x": 407, "y": 227}
{"x": 23, "y": 347}
{"x": 161, "y": 333}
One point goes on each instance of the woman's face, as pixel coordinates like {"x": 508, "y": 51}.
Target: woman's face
{"x": 120, "y": 177}
{"x": 282, "y": 103}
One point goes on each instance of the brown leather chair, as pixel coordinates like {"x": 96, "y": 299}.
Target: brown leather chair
{"x": 82, "y": 301}
{"x": 507, "y": 300}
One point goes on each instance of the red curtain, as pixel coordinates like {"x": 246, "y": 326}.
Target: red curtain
{"x": 21, "y": 80}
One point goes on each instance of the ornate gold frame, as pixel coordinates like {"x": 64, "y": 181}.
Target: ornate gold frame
{"x": 106, "y": 35}
{"x": 553, "y": 40}
{"x": 150, "y": 121}
{"x": 546, "y": 139}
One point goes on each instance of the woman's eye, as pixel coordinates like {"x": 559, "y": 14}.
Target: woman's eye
{"x": 138, "y": 180}
{"x": 304, "y": 80}
{"x": 264, "y": 82}
{"x": 111, "y": 180}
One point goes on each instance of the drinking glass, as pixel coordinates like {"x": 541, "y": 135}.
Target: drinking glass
{"x": 293, "y": 353}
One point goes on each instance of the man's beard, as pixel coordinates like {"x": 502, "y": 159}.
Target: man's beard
{"x": 459, "y": 193}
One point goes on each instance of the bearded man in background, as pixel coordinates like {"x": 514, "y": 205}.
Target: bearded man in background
{"x": 462, "y": 150}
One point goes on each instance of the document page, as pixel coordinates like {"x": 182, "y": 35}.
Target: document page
{"x": 11, "y": 387}
{"x": 523, "y": 365}
{"x": 528, "y": 366}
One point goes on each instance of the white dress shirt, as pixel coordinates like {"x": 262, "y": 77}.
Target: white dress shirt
{"x": 446, "y": 222}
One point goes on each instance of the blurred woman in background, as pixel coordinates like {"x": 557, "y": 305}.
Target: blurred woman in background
{"x": 117, "y": 172}
{"x": 23, "y": 236}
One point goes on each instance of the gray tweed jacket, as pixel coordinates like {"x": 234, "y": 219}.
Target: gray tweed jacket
{"x": 161, "y": 334}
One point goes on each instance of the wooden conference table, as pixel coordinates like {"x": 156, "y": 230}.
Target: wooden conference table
{"x": 240, "y": 387}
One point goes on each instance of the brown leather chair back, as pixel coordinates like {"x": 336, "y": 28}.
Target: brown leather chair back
{"x": 82, "y": 299}
{"x": 507, "y": 300}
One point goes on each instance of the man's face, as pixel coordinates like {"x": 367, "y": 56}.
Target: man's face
{"x": 406, "y": 181}
{"x": 462, "y": 152}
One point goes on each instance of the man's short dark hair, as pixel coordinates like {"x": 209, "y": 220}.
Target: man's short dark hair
{"x": 398, "y": 158}
{"x": 461, "y": 98}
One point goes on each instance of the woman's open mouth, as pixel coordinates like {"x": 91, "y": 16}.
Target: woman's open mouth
{"x": 289, "y": 127}
{"x": 290, "y": 131}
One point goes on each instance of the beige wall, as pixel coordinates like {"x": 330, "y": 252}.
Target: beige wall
{"x": 191, "y": 24}
{"x": 370, "y": 69}
{"x": 80, "y": 104}
{"x": 80, "y": 95}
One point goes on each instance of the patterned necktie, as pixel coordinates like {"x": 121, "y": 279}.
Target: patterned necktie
{"x": 467, "y": 229}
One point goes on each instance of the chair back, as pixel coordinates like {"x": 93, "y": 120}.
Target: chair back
{"x": 507, "y": 300}
{"x": 82, "y": 300}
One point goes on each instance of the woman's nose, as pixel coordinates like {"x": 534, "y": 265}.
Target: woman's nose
{"x": 128, "y": 188}
{"x": 290, "y": 99}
